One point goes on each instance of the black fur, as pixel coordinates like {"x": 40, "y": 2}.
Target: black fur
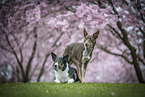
{"x": 62, "y": 65}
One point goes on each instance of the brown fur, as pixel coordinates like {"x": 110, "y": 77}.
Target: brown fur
{"x": 77, "y": 51}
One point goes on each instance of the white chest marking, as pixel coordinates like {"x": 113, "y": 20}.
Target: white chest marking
{"x": 86, "y": 55}
{"x": 62, "y": 76}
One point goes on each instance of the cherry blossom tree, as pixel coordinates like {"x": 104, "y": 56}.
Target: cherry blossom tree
{"x": 31, "y": 29}
{"x": 20, "y": 38}
{"x": 130, "y": 31}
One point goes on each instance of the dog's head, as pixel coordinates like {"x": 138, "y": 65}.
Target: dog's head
{"x": 90, "y": 40}
{"x": 60, "y": 63}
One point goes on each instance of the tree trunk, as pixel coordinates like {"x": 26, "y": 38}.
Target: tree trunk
{"x": 136, "y": 66}
{"x": 133, "y": 52}
{"x": 144, "y": 46}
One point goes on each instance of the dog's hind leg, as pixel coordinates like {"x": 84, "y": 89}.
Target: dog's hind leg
{"x": 79, "y": 68}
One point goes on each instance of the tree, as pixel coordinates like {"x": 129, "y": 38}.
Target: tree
{"x": 31, "y": 30}
{"x": 129, "y": 14}
{"x": 136, "y": 21}
{"x": 21, "y": 40}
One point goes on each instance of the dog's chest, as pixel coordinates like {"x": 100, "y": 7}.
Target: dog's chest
{"x": 62, "y": 76}
{"x": 86, "y": 56}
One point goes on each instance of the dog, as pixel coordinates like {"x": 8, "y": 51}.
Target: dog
{"x": 81, "y": 53}
{"x": 63, "y": 72}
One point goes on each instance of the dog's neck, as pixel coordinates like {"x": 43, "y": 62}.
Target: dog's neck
{"x": 87, "y": 51}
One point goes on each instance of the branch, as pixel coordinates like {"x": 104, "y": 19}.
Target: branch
{"x": 20, "y": 50}
{"x": 120, "y": 55}
{"x": 42, "y": 69}
{"x": 47, "y": 55}
{"x": 125, "y": 2}
{"x": 66, "y": 7}
{"x": 119, "y": 25}
{"x": 141, "y": 60}
{"x": 32, "y": 55}
{"x": 21, "y": 53}
{"x": 125, "y": 38}
{"x": 99, "y": 3}
{"x": 69, "y": 9}
{"x": 114, "y": 9}
{"x": 57, "y": 39}
{"x": 14, "y": 52}
{"x": 117, "y": 37}
{"x": 133, "y": 52}
{"x": 5, "y": 49}
{"x": 143, "y": 41}
{"x": 26, "y": 39}
{"x": 114, "y": 34}
{"x": 142, "y": 31}
{"x": 34, "y": 70}
{"x": 139, "y": 8}
{"x": 18, "y": 74}
{"x": 115, "y": 31}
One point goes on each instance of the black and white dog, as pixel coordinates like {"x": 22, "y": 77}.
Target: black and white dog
{"x": 63, "y": 72}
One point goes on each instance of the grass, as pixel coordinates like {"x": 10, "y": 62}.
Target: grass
{"x": 72, "y": 90}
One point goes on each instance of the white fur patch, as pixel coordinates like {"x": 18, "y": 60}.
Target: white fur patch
{"x": 62, "y": 76}
{"x": 70, "y": 80}
{"x": 57, "y": 81}
{"x": 86, "y": 55}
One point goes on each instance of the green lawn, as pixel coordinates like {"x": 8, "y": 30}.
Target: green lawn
{"x": 71, "y": 90}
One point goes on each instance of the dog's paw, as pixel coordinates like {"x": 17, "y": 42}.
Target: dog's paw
{"x": 70, "y": 80}
{"x": 56, "y": 81}
{"x": 83, "y": 80}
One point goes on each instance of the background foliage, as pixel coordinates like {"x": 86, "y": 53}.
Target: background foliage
{"x": 31, "y": 29}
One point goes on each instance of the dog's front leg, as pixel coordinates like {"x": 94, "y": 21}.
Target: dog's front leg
{"x": 56, "y": 81}
{"x": 79, "y": 72}
{"x": 71, "y": 80}
{"x": 79, "y": 68}
{"x": 84, "y": 71}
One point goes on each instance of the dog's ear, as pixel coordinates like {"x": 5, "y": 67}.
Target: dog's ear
{"x": 95, "y": 35}
{"x": 65, "y": 58}
{"x": 85, "y": 32}
{"x": 53, "y": 56}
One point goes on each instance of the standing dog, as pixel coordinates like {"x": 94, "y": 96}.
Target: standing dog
{"x": 81, "y": 53}
{"x": 63, "y": 72}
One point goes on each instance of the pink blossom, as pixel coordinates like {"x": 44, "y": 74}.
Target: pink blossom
{"x": 44, "y": 4}
{"x": 117, "y": 4}
{"x": 94, "y": 7}
{"x": 142, "y": 11}
{"x": 87, "y": 15}
{"x": 28, "y": 5}
{"x": 45, "y": 11}
{"x": 80, "y": 12}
